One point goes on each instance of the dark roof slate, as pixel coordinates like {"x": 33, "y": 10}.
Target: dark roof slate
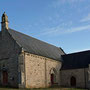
{"x": 0, "y": 33}
{"x": 76, "y": 60}
{"x": 0, "y": 36}
{"x": 0, "y": 40}
{"x": 35, "y": 46}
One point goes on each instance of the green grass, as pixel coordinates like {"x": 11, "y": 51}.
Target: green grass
{"x": 42, "y": 89}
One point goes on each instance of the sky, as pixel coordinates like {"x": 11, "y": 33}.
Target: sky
{"x": 63, "y": 23}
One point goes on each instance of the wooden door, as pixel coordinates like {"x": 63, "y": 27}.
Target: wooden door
{"x": 5, "y": 77}
{"x": 52, "y": 79}
{"x": 73, "y": 81}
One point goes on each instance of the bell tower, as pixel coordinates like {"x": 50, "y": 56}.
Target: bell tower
{"x": 4, "y": 22}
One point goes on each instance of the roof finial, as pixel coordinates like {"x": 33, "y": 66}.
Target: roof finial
{"x": 4, "y": 20}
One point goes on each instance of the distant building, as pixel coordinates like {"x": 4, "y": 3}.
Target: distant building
{"x": 75, "y": 71}
{"x": 26, "y": 62}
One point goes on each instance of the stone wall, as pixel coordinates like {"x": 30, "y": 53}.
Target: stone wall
{"x": 88, "y": 85}
{"x": 80, "y": 75}
{"x": 9, "y": 51}
{"x": 38, "y": 71}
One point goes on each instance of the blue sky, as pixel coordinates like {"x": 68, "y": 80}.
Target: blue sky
{"x": 64, "y": 23}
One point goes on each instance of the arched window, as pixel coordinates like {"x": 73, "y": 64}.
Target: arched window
{"x": 73, "y": 81}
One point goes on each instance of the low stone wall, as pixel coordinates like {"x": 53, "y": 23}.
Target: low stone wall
{"x": 79, "y": 74}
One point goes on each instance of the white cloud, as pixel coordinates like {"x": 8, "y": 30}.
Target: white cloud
{"x": 77, "y": 29}
{"x": 58, "y": 30}
{"x": 59, "y": 2}
{"x": 70, "y": 1}
{"x": 87, "y": 18}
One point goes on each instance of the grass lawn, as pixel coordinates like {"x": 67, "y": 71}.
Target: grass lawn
{"x": 42, "y": 89}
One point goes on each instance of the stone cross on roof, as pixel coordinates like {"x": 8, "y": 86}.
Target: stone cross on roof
{"x": 4, "y": 21}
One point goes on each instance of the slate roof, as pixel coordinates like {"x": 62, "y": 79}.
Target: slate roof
{"x": 35, "y": 46}
{"x": 76, "y": 60}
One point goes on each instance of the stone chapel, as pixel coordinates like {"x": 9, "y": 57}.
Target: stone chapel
{"x": 26, "y": 62}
